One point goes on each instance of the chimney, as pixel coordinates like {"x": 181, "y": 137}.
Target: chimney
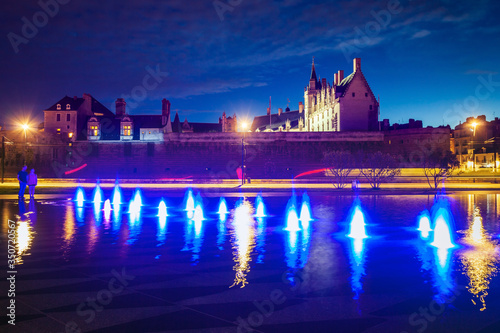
{"x": 280, "y": 111}
{"x": 357, "y": 64}
{"x": 340, "y": 76}
{"x": 301, "y": 107}
{"x": 335, "y": 81}
{"x": 120, "y": 107}
{"x": 165, "y": 111}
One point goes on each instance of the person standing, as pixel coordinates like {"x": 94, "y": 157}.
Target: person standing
{"x": 22, "y": 176}
{"x": 32, "y": 182}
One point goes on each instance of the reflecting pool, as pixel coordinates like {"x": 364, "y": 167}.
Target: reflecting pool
{"x": 271, "y": 262}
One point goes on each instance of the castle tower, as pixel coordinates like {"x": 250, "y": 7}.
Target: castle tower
{"x": 165, "y": 115}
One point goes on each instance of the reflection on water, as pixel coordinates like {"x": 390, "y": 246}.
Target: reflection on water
{"x": 162, "y": 223}
{"x": 261, "y": 239}
{"x": 357, "y": 256}
{"x": 69, "y": 231}
{"x": 242, "y": 240}
{"x": 193, "y": 230}
{"x": 24, "y": 233}
{"x": 134, "y": 218}
{"x": 480, "y": 260}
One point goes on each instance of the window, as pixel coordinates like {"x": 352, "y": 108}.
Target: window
{"x": 127, "y": 130}
{"x": 58, "y": 130}
{"x": 353, "y": 94}
{"x": 68, "y": 117}
{"x": 58, "y": 117}
{"x": 59, "y": 106}
{"x": 371, "y": 107}
{"x": 94, "y": 130}
{"x": 366, "y": 94}
{"x": 68, "y": 107}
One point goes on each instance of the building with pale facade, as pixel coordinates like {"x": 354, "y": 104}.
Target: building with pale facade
{"x": 348, "y": 104}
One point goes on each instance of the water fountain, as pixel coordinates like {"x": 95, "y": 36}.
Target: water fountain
{"x": 357, "y": 226}
{"x": 424, "y": 224}
{"x": 292, "y": 219}
{"x": 80, "y": 197}
{"x": 97, "y": 195}
{"x": 189, "y": 203}
{"x": 305, "y": 212}
{"x": 162, "y": 222}
{"x": 117, "y": 195}
{"x": 260, "y": 208}
{"x": 442, "y": 229}
{"x": 107, "y": 209}
{"x": 223, "y": 211}
{"x": 162, "y": 209}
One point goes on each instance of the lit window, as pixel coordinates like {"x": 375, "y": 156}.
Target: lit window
{"x": 58, "y": 117}
{"x": 68, "y": 107}
{"x": 59, "y": 106}
{"x": 70, "y": 134}
{"x": 127, "y": 130}
{"x": 58, "y": 130}
{"x": 68, "y": 117}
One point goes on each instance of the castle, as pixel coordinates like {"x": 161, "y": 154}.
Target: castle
{"x": 348, "y": 104}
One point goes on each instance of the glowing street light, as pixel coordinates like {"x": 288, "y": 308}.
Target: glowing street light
{"x": 25, "y": 127}
{"x": 244, "y": 126}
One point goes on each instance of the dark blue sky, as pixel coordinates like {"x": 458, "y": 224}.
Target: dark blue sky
{"x": 432, "y": 60}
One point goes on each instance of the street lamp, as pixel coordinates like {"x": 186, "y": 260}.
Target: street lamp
{"x": 25, "y": 127}
{"x": 473, "y": 129}
{"x": 244, "y": 126}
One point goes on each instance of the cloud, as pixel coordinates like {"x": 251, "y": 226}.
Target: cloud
{"x": 421, "y": 34}
{"x": 480, "y": 72}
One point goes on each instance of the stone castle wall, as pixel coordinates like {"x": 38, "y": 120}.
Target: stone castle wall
{"x": 216, "y": 155}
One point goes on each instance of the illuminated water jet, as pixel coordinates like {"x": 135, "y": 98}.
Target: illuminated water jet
{"x": 80, "y": 197}
{"x": 442, "y": 233}
{"x": 260, "y": 208}
{"x": 107, "y": 210}
{"x": 357, "y": 228}
{"x": 162, "y": 209}
{"x": 97, "y": 194}
{"x": 223, "y": 211}
{"x": 292, "y": 218}
{"x": 138, "y": 197}
{"x": 189, "y": 201}
{"x": 305, "y": 211}
{"x": 117, "y": 195}
{"x": 424, "y": 224}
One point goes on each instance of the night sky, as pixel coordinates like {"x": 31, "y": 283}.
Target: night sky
{"x": 437, "y": 61}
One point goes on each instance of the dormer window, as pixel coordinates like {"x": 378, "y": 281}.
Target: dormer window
{"x": 58, "y": 106}
{"x": 94, "y": 129}
{"x": 126, "y": 129}
{"x": 68, "y": 107}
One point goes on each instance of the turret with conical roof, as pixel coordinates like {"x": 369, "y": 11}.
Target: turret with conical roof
{"x": 313, "y": 80}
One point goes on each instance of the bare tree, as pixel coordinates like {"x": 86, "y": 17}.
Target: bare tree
{"x": 438, "y": 166}
{"x": 379, "y": 167}
{"x": 339, "y": 165}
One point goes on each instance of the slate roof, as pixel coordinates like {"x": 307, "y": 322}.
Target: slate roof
{"x": 74, "y": 102}
{"x": 262, "y": 122}
{"x": 77, "y": 102}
